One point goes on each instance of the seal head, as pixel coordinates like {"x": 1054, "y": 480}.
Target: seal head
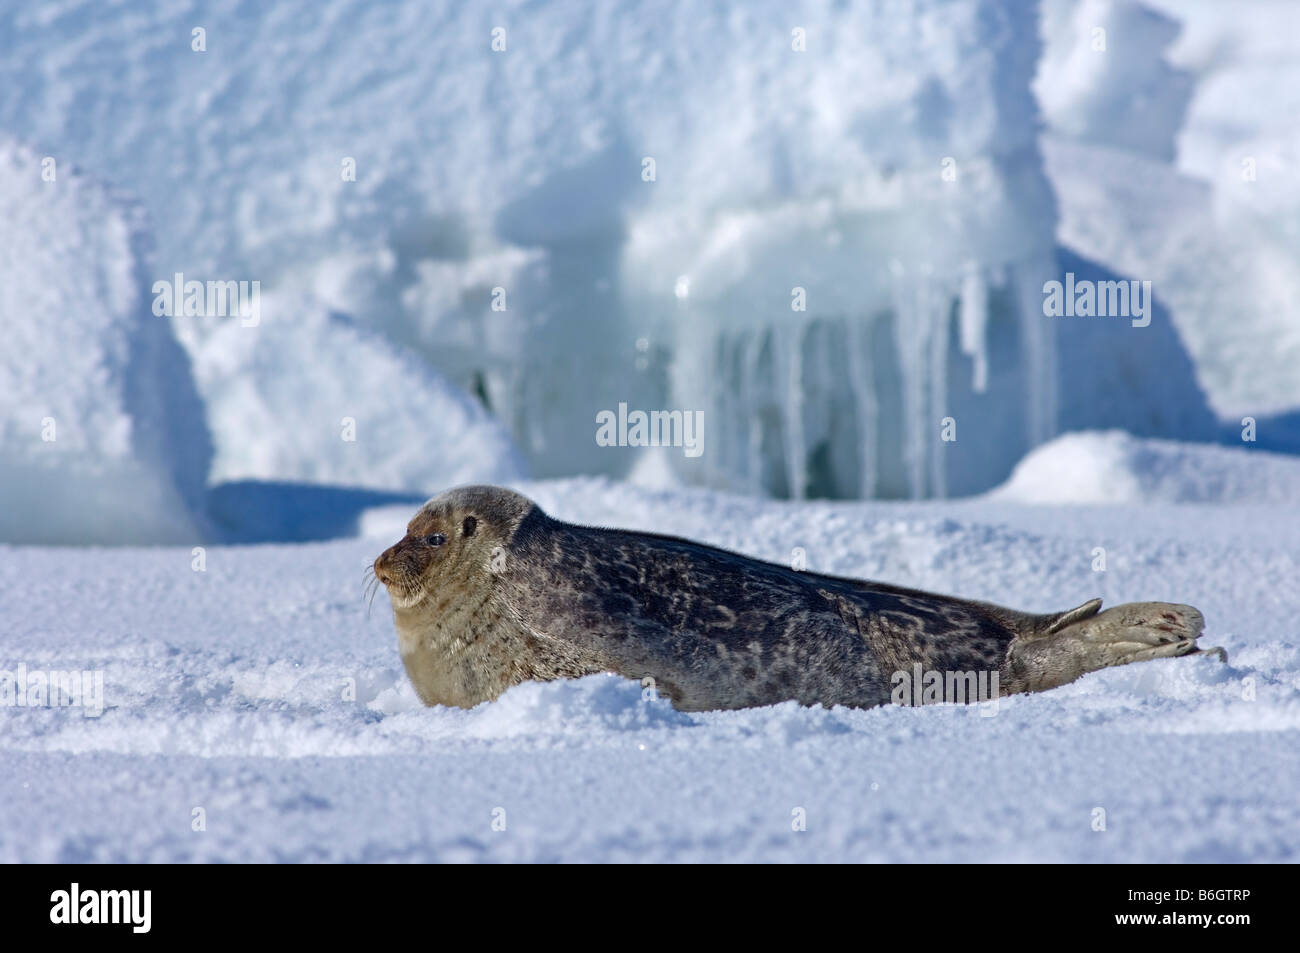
{"x": 453, "y": 536}
{"x": 460, "y": 639}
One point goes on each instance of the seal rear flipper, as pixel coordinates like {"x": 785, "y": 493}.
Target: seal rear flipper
{"x": 1089, "y": 641}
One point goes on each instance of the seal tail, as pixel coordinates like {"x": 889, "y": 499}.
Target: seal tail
{"x": 1071, "y": 644}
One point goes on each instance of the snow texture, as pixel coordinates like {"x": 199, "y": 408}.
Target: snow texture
{"x": 1172, "y": 154}
{"x": 881, "y": 156}
{"x": 1114, "y": 467}
{"x": 231, "y": 690}
{"x": 309, "y": 396}
{"x": 102, "y": 436}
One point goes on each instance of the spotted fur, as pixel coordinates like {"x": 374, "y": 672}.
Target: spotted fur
{"x": 523, "y": 596}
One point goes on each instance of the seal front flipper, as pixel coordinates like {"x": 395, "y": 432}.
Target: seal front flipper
{"x": 1084, "y": 640}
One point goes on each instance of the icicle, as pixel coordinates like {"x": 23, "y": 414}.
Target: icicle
{"x": 1038, "y": 351}
{"x": 731, "y": 411}
{"x": 789, "y": 343}
{"x": 827, "y": 387}
{"x": 974, "y": 316}
{"x": 752, "y": 406}
{"x": 862, "y": 385}
{"x": 940, "y": 310}
{"x": 720, "y": 404}
{"x": 911, "y": 339}
{"x": 747, "y": 376}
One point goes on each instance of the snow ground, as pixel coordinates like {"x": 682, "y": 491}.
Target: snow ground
{"x": 225, "y": 691}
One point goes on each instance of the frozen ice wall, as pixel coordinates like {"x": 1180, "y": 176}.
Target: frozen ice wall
{"x": 564, "y": 206}
{"x": 831, "y": 316}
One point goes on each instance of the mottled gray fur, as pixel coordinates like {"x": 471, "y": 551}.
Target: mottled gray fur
{"x": 510, "y": 594}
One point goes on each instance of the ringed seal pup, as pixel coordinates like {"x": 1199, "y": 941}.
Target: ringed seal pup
{"x": 488, "y": 591}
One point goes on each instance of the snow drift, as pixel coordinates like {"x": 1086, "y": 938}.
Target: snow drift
{"x": 827, "y": 229}
{"x": 1172, "y": 154}
{"x": 102, "y": 437}
{"x": 308, "y": 395}
{"x": 565, "y": 206}
{"x": 1115, "y": 467}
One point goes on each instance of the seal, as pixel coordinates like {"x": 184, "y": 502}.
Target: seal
{"x": 488, "y": 591}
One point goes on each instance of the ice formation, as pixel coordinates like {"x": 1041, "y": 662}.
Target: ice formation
{"x": 1114, "y": 467}
{"x": 1187, "y": 178}
{"x": 102, "y": 437}
{"x": 309, "y": 396}
{"x": 561, "y": 207}
{"x": 522, "y": 215}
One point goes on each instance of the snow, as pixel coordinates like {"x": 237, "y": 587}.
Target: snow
{"x": 1228, "y": 278}
{"x": 102, "y": 437}
{"x": 1103, "y": 78}
{"x": 1185, "y": 180}
{"x": 228, "y": 690}
{"x": 309, "y": 396}
{"x": 1115, "y": 467}
{"x": 813, "y": 153}
{"x": 895, "y": 170}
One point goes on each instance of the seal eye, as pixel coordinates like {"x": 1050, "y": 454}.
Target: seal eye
{"x": 437, "y": 539}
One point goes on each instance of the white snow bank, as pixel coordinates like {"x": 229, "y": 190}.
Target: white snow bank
{"x": 1231, "y": 279}
{"x": 1172, "y": 155}
{"x": 310, "y": 396}
{"x": 400, "y": 161}
{"x": 1103, "y": 79}
{"x": 102, "y": 438}
{"x": 1114, "y": 467}
{"x": 1244, "y": 58}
